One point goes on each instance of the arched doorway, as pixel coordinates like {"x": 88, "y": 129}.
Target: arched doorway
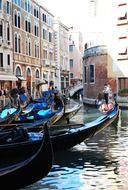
{"x": 18, "y": 74}
{"x": 29, "y": 78}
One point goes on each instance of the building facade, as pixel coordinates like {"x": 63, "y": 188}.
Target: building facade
{"x": 33, "y": 46}
{"x": 75, "y": 56}
{"x": 62, "y": 74}
{"x": 121, "y": 58}
{"x": 98, "y": 59}
{"x": 7, "y": 75}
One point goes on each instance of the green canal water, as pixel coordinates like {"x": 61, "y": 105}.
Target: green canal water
{"x": 99, "y": 163}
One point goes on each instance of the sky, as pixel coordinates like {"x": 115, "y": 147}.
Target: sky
{"x": 76, "y": 13}
{"x": 70, "y": 12}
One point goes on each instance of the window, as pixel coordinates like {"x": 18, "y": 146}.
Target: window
{"x": 36, "y": 30}
{"x": 122, "y": 12}
{"x": 0, "y": 4}
{"x": 71, "y": 63}
{"x": 91, "y": 73}
{"x": 71, "y": 75}
{"x": 15, "y": 42}
{"x": 71, "y": 48}
{"x": 36, "y": 49}
{"x": 1, "y": 59}
{"x": 8, "y": 59}
{"x": 19, "y": 20}
{"x": 1, "y": 29}
{"x": 44, "y": 18}
{"x": 26, "y": 46}
{"x": 45, "y": 75}
{"x": 37, "y": 74}
{"x": 8, "y": 7}
{"x": 19, "y": 44}
{"x": 17, "y": 2}
{"x": 123, "y": 83}
{"x": 44, "y": 34}
{"x": 27, "y": 5}
{"x": 18, "y": 71}
{"x": 8, "y": 33}
{"x": 36, "y": 12}
{"x": 50, "y": 56}
{"x": 122, "y": 45}
{"x": 45, "y": 54}
{"x": 29, "y": 47}
{"x": 28, "y": 25}
{"x": 15, "y": 18}
{"x": 85, "y": 74}
{"x": 50, "y": 37}
{"x": 28, "y": 72}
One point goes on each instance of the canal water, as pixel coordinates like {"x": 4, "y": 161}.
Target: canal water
{"x": 99, "y": 163}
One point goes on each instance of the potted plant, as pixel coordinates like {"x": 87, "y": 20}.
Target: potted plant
{"x": 123, "y": 92}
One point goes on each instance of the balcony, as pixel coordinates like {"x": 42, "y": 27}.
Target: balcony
{"x": 6, "y": 70}
{"x": 122, "y": 57}
{"x": 121, "y": 22}
{"x": 45, "y": 62}
{"x": 52, "y": 63}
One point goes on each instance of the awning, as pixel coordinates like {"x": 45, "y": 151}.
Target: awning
{"x": 8, "y": 78}
{"x": 21, "y": 78}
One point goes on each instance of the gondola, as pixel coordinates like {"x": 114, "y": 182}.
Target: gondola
{"x": 68, "y": 136}
{"x": 70, "y": 112}
{"x": 35, "y": 123}
{"x": 76, "y": 133}
{"x": 31, "y": 169}
{"x": 40, "y": 116}
{"x": 9, "y": 114}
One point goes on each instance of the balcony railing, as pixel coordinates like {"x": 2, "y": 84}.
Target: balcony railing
{"x": 45, "y": 62}
{"x": 6, "y": 70}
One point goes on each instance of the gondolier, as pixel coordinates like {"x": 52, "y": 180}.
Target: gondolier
{"x": 106, "y": 92}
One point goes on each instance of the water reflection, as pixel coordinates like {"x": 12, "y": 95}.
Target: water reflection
{"x": 98, "y": 163}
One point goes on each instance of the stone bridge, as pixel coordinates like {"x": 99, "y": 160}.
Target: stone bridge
{"x": 74, "y": 89}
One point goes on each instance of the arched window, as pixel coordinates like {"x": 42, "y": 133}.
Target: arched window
{"x": 15, "y": 18}
{"x": 15, "y": 42}
{"x": 29, "y": 25}
{"x": 19, "y": 44}
{"x": 26, "y": 46}
{"x": 18, "y": 71}
{"x": 29, "y": 47}
{"x": 37, "y": 74}
{"x": 8, "y": 32}
{"x": 35, "y": 50}
{"x": 19, "y": 19}
{"x": 28, "y": 72}
{"x": 1, "y": 28}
